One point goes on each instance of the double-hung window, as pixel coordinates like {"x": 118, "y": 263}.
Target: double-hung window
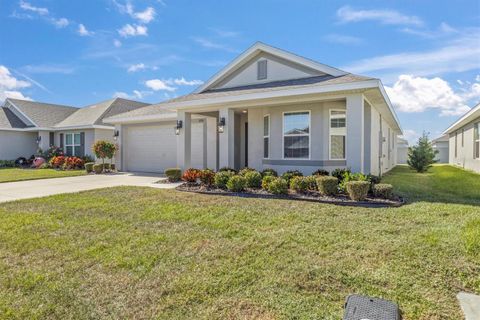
{"x": 72, "y": 144}
{"x": 338, "y": 133}
{"x": 476, "y": 140}
{"x": 266, "y": 136}
{"x": 296, "y": 135}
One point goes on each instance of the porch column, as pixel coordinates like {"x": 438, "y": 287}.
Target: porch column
{"x": 184, "y": 140}
{"x": 226, "y": 139}
{"x": 210, "y": 145}
{"x": 355, "y": 132}
{"x": 119, "y": 142}
{"x": 45, "y": 140}
{"x": 255, "y": 138}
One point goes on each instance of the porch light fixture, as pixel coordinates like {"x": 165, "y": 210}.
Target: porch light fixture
{"x": 39, "y": 139}
{"x": 221, "y": 125}
{"x": 116, "y": 134}
{"x": 178, "y": 127}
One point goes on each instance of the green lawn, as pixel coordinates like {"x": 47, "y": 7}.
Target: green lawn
{"x": 148, "y": 253}
{"x": 17, "y": 174}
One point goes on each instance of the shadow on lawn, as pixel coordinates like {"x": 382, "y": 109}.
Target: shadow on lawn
{"x": 441, "y": 184}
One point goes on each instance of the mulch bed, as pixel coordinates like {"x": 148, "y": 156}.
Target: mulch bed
{"x": 310, "y": 196}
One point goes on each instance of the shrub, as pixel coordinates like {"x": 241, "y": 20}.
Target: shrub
{"x": 327, "y": 186}
{"x": 89, "y": 166}
{"x": 299, "y": 184}
{"x": 266, "y": 181}
{"x": 320, "y": 172}
{"x": 311, "y": 183}
{"x": 98, "y": 168}
{"x": 222, "y": 177}
{"x": 348, "y": 176}
{"x": 278, "y": 186}
{"x": 44, "y": 166}
{"x": 236, "y": 183}
{"x": 112, "y": 166}
{"x": 253, "y": 179}
{"x": 244, "y": 171}
{"x": 383, "y": 190}
{"x": 57, "y": 162}
{"x": 421, "y": 156}
{"x": 106, "y": 166}
{"x": 357, "y": 190}
{"x": 373, "y": 181}
{"x": 73, "y": 163}
{"x": 339, "y": 173}
{"x": 227, "y": 169}
{"x": 269, "y": 172}
{"x": 7, "y": 163}
{"x": 191, "y": 175}
{"x": 104, "y": 149}
{"x": 207, "y": 177}
{"x": 51, "y": 152}
{"x": 173, "y": 174}
{"x": 290, "y": 174}
{"x": 87, "y": 158}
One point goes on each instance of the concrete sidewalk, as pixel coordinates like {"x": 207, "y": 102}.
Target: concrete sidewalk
{"x": 11, "y": 191}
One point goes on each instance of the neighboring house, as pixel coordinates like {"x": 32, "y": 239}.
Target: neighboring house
{"x": 441, "y": 145}
{"x": 464, "y": 140}
{"x": 26, "y": 126}
{"x": 402, "y": 151}
{"x": 268, "y": 108}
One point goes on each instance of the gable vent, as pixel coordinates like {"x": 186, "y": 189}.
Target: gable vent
{"x": 262, "y": 70}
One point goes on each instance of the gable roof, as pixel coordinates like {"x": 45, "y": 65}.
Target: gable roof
{"x": 42, "y": 114}
{"x": 259, "y": 47}
{"x": 465, "y": 119}
{"x": 95, "y": 113}
{"x": 8, "y": 120}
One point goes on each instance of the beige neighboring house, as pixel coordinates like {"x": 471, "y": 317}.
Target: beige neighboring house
{"x": 268, "y": 108}
{"x": 402, "y": 151}
{"x": 464, "y": 140}
{"x": 26, "y": 126}
{"x": 441, "y": 145}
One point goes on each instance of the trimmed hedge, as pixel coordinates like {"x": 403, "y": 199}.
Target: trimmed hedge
{"x": 236, "y": 183}
{"x": 244, "y": 171}
{"x": 299, "y": 184}
{"x": 288, "y": 175}
{"x": 98, "y": 168}
{"x": 207, "y": 177}
{"x": 320, "y": 172}
{"x": 357, "y": 190}
{"x": 269, "y": 172}
{"x": 89, "y": 166}
{"x": 327, "y": 186}
{"x": 227, "y": 169}
{"x": 383, "y": 190}
{"x": 278, "y": 186}
{"x": 191, "y": 175}
{"x": 253, "y": 180}
{"x": 173, "y": 174}
{"x": 112, "y": 166}
{"x": 266, "y": 181}
{"x": 222, "y": 177}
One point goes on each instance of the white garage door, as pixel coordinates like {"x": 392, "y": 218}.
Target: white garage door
{"x": 150, "y": 148}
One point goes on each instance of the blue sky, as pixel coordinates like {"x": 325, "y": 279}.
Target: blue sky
{"x": 427, "y": 53}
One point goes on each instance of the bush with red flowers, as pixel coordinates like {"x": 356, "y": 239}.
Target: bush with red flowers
{"x": 57, "y": 162}
{"x": 71, "y": 163}
{"x": 191, "y": 175}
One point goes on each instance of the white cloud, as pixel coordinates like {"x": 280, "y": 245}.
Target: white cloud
{"x": 410, "y": 135}
{"x": 224, "y": 33}
{"x": 117, "y": 43}
{"x": 417, "y": 94}
{"x": 83, "y": 31}
{"x": 462, "y": 53}
{"x": 477, "y": 78}
{"x": 129, "y": 30}
{"x": 343, "y": 39}
{"x": 136, "y": 67}
{"x": 212, "y": 45}
{"x": 183, "y": 82}
{"x": 136, "y": 94}
{"x": 28, "y": 7}
{"x": 145, "y": 16}
{"x": 60, "y": 23}
{"x": 9, "y": 85}
{"x": 48, "y": 68}
{"x": 347, "y": 14}
{"x": 159, "y": 85}
{"x": 443, "y": 30}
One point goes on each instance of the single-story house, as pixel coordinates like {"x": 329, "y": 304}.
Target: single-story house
{"x": 441, "y": 145}
{"x": 26, "y": 126}
{"x": 268, "y": 108}
{"x": 464, "y": 140}
{"x": 402, "y": 151}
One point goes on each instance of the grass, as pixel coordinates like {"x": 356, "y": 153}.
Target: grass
{"x": 17, "y": 174}
{"x": 148, "y": 253}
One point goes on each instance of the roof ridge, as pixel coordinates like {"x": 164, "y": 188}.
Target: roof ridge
{"x": 44, "y": 103}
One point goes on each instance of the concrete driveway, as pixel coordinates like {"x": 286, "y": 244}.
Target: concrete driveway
{"x": 10, "y": 191}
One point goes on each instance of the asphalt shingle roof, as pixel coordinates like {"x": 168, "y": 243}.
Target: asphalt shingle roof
{"x": 43, "y": 114}
{"x": 8, "y": 120}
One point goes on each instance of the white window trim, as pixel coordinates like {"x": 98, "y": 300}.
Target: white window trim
{"x": 299, "y": 135}
{"x": 330, "y": 134}
{"x": 73, "y": 145}
{"x": 266, "y": 136}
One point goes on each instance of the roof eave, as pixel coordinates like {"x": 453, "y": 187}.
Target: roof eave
{"x": 465, "y": 119}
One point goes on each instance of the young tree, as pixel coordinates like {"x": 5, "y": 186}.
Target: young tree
{"x": 104, "y": 149}
{"x": 421, "y": 156}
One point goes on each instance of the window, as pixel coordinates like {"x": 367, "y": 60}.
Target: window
{"x": 296, "y": 135}
{"x": 262, "y": 70}
{"x": 476, "y": 140}
{"x": 338, "y": 132}
{"x": 73, "y": 144}
{"x": 266, "y": 136}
